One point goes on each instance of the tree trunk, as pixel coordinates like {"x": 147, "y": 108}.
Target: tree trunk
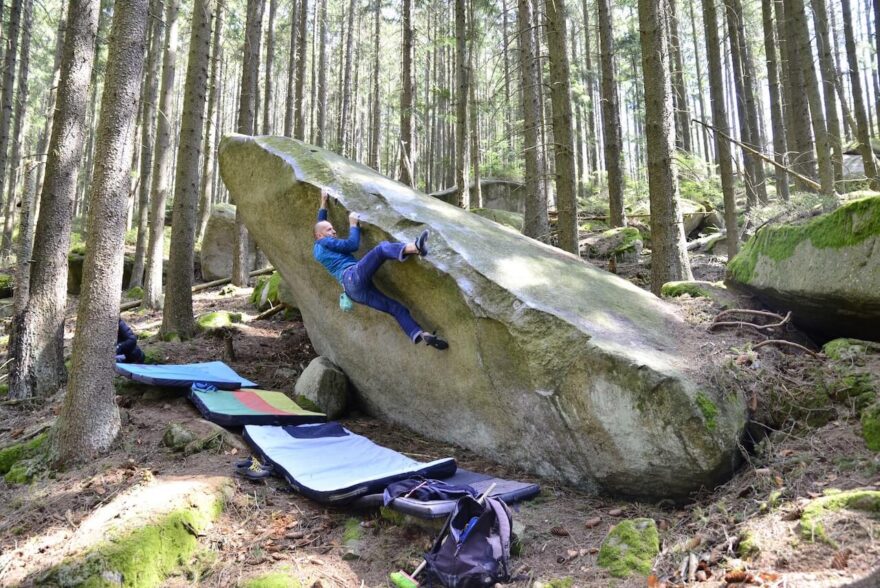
{"x": 563, "y": 140}
{"x": 669, "y": 260}
{"x": 590, "y": 76}
{"x": 250, "y": 79}
{"x": 162, "y": 162}
{"x": 376, "y": 112}
{"x": 321, "y": 100}
{"x": 707, "y": 153}
{"x": 811, "y": 88}
{"x": 299, "y": 128}
{"x": 6, "y": 98}
{"x": 719, "y": 120}
{"x": 682, "y": 115}
{"x": 148, "y": 134}
{"x": 19, "y": 133}
{"x": 89, "y": 420}
{"x": 291, "y": 73}
{"x": 37, "y": 350}
{"x": 53, "y": 97}
{"x": 270, "y": 55}
{"x": 799, "y": 106}
{"x": 611, "y": 118}
{"x": 178, "y": 314}
{"x": 476, "y": 198}
{"x": 535, "y": 222}
{"x": 25, "y": 242}
{"x": 462, "y": 175}
{"x": 775, "y": 104}
{"x": 864, "y": 131}
{"x": 407, "y": 164}
{"x": 210, "y": 128}
{"x": 342, "y": 129}
{"x": 826, "y": 65}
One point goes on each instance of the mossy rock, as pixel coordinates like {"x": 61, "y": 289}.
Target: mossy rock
{"x": 630, "y": 548}
{"x": 12, "y": 454}
{"x": 514, "y": 220}
{"x": 871, "y": 426}
{"x": 218, "y": 319}
{"x": 717, "y": 292}
{"x": 136, "y": 293}
{"x": 709, "y": 410}
{"x": 811, "y": 526}
{"x": 825, "y": 270}
{"x": 748, "y": 546}
{"x": 141, "y": 558}
{"x": 844, "y": 349}
{"x": 620, "y": 243}
{"x": 177, "y": 437}
{"x": 6, "y": 285}
{"x": 352, "y": 538}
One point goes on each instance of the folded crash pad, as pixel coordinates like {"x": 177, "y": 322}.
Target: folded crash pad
{"x": 330, "y": 464}
{"x": 509, "y": 491}
{"x": 215, "y": 373}
{"x": 250, "y": 407}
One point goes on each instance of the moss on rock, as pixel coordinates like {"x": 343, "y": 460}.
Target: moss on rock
{"x": 709, "y": 410}
{"x": 693, "y": 288}
{"x": 630, "y": 548}
{"x": 811, "y": 520}
{"x": 748, "y": 546}
{"x": 218, "y": 319}
{"x": 307, "y": 404}
{"x": 141, "y": 558}
{"x": 12, "y": 454}
{"x": 849, "y": 225}
{"x": 871, "y": 426}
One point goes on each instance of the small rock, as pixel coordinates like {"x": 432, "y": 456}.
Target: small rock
{"x": 324, "y": 384}
{"x": 177, "y": 437}
{"x": 593, "y": 522}
{"x": 615, "y": 512}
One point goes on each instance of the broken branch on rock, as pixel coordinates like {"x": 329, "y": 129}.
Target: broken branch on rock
{"x": 783, "y": 342}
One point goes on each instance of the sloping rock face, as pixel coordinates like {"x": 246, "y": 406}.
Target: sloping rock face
{"x": 554, "y": 366}
{"x": 217, "y": 244}
{"x": 826, "y": 271}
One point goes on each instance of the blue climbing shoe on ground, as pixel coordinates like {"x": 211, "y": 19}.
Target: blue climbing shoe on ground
{"x": 434, "y": 341}
{"x": 421, "y": 243}
{"x": 252, "y": 469}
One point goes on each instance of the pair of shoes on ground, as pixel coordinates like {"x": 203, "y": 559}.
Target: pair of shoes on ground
{"x": 252, "y": 469}
{"x": 434, "y": 341}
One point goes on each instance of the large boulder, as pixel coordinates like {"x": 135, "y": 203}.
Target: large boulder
{"x": 218, "y": 244}
{"x": 826, "y": 270}
{"x": 555, "y": 366}
{"x": 497, "y": 195}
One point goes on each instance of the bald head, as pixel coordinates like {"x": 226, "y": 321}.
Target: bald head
{"x": 324, "y": 229}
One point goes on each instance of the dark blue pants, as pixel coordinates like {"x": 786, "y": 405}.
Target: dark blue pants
{"x": 358, "y": 283}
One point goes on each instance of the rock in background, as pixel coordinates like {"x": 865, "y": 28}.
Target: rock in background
{"x": 325, "y": 385}
{"x": 217, "y": 244}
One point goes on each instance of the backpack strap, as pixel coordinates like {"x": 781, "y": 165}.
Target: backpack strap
{"x": 505, "y": 527}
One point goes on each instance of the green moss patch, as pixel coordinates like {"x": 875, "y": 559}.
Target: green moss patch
{"x": 630, "y": 548}
{"x": 12, "y": 454}
{"x": 137, "y": 293}
{"x": 218, "y": 319}
{"x": 709, "y": 410}
{"x": 871, "y": 426}
{"x": 4, "y": 390}
{"x": 267, "y": 291}
{"x": 675, "y": 289}
{"x": 811, "y": 520}
{"x": 307, "y": 404}
{"x": 141, "y": 558}
{"x": 6, "y": 285}
{"x": 273, "y": 580}
{"x": 748, "y": 546}
{"x": 849, "y": 225}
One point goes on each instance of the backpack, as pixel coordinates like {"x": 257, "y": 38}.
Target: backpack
{"x": 476, "y": 550}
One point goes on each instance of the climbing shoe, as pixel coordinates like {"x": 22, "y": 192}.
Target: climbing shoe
{"x": 434, "y": 341}
{"x": 252, "y": 469}
{"x": 422, "y": 243}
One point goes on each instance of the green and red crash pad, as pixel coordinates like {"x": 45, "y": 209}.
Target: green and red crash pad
{"x": 250, "y": 407}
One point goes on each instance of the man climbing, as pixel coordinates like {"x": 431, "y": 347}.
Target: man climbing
{"x": 127, "y": 350}
{"x": 356, "y": 276}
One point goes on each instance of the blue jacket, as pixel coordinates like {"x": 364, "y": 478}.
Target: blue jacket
{"x": 126, "y": 344}
{"x": 336, "y": 254}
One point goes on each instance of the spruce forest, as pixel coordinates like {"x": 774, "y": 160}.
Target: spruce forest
{"x": 615, "y": 265}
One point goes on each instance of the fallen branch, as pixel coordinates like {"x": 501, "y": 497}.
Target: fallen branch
{"x": 205, "y": 286}
{"x": 698, "y": 243}
{"x": 749, "y": 311}
{"x": 783, "y": 342}
{"x": 271, "y": 312}
{"x": 757, "y": 153}
{"x": 757, "y": 327}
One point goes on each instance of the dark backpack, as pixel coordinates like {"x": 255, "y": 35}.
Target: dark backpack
{"x": 475, "y": 551}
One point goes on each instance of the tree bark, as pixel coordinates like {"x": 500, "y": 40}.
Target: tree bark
{"x": 162, "y": 162}
{"x": 344, "y": 127}
{"x": 707, "y": 152}
{"x": 407, "y": 153}
{"x": 669, "y": 260}
{"x": 611, "y": 118}
{"x": 291, "y": 73}
{"x": 211, "y": 130}
{"x": 321, "y": 98}
{"x": 563, "y": 140}
{"x": 376, "y": 108}
{"x": 775, "y": 99}
{"x": 462, "y": 171}
{"x": 535, "y": 223}
{"x": 476, "y": 197}
{"x": 719, "y": 119}
{"x": 799, "y": 106}
{"x": 250, "y": 79}
{"x": 178, "y": 313}
{"x": 682, "y": 116}
{"x": 270, "y": 58}
{"x": 6, "y": 98}
{"x": 148, "y": 136}
{"x": 299, "y": 130}
{"x": 864, "y": 130}
{"x": 826, "y": 66}
{"x": 590, "y": 76}
{"x": 89, "y": 420}
{"x": 19, "y": 133}
{"x": 37, "y": 350}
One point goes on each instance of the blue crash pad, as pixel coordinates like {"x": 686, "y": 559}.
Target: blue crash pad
{"x": 216, "y": 373}
{"x": 330, "y": 464}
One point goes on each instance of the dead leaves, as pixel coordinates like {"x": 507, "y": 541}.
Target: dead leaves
{"x": 841, "y": 559}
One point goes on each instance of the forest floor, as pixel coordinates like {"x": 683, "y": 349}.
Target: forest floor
{"x": 749, "y": 523}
